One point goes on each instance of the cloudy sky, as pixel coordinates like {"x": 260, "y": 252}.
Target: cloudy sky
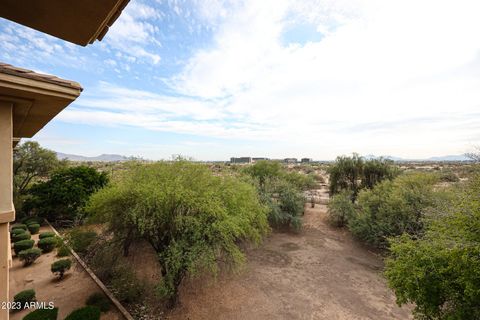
{"x": 213, "y": 79}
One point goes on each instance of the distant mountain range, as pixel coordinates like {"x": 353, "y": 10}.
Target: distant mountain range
{"x": 457, "y": 157}
{"x": 102, "y": 157}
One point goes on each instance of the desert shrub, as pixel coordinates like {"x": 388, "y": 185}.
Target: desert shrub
{"x": 440, "y": 272}
{"x": 263, "y": 171}
{"x": 80, "y": 239}
{"x": 191, "y": 217}
{"x": 99, "y": 300}
{"x": 286, "y": 209}
{"x": 63, "y": 251}
{"x": 42, "y": 314}
{"x": 392, "y": 208}
{"x": 46, "y": 234}
{"x": 25, "y": 296}
{"x": 340, "y": 209}
{"x": 22, "y": 245}
{"x": 21, "y": 236}
{"x": 59, "y": 267}
{"x": 29, "y": 256}
{"x": 64, "y": 195}
{"x": 449, "y": 176}
{"x": 300, "y": 181}
{"x": 33, "y": 228}
{"x": 19, "y": 226}
{"x": 47, "y": 244}
{"x": 85, "y": 313}
{"x": 126, "y": 286}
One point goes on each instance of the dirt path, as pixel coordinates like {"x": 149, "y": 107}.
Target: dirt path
{"x": 320, "y": 273}
{"x": 67, "y": 294}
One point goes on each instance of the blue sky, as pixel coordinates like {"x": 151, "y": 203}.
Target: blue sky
{"x": 211, "y": 79}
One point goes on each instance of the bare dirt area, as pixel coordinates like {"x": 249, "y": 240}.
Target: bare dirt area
{"x": 67, "y": 294}
{"x": 320, "y": 273}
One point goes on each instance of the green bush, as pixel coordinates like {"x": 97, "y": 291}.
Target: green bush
{"x": 47, "y": 244}
{"x": 63, "y": 251}
{"x": 193, "y": 218}
{"x": 46, "y": 234}
{"x": 99, "y": 300}
{"x": 16, "y": 231}
{"x": 21, "y": 236}
{"x": 340, "y": 209}
{"x": 449, "y": 176}
{"x": 59, "y": 267}
{"x": 80, "y": 239}
{"x": 25, "y": 296}
{"x": 19, "y": 226}
{"x": 29, "y": 256}
{"x": 33, "y": 228}
{"x": 392, "y": 208}
{"x": 85, "y": 313}
{"x": 22, "y": 245}
{"x": 286, "y": 209}
{"x": 33, "y": 220}
{"x": 126, "y": 286}
{"x": 439, "y": 273}
{"x": 42, "y": 314}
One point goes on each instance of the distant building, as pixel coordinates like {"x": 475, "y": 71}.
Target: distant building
{"x": 306, "y": 160}
{"x": 290, "y": 160}
{"x": 259, "y": 159}
{"x": 241, "y": 160}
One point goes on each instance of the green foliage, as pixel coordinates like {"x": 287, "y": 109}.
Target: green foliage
{"x": 299, "y": 180}
{"x": 191, "y": 217}
{"x": 448, "y": 176}
{"x": 15, "y": 232}
{"x": 264, "y": 170}
{"x": 59, "y": 267}
{"x": 22, "y": 245}
{"x": 29, "y": 256}
{"x": 99, "y": 300}
{"x": 340, "y": 209}
{"x": 286, "y": 208}
{"x": 355, "y": 173}
{"x": 85, "y": 313}
{"x": 46, "y": 234}
{"x": 80, "y": 239}
{"x": 19, "y": 226}
{"x": 21, "y": 236}
{"x": 32, "y": 220}
{"x": 30, "y": 162}
{"x": 392, "y": 208}
{"x": 63, "y": 251}
{"x": 440, "y": 272}
{"x": 47, "y": 244}
{"x": 25, "y": 296}
{"x": 33, "y": 228}
{"x": 42, "y": 314}
{"x": 65, "y": 194}
{"x": 126, "y": 286}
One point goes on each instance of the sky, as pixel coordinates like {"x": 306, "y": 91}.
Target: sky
{"x": 213, "y": 79}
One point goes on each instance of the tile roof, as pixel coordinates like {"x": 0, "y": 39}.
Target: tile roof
{"x": 29, "y": 74}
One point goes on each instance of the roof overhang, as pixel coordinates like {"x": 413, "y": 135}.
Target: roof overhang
{"x": 36, "y": 98}
{"x": 78, "y": 21}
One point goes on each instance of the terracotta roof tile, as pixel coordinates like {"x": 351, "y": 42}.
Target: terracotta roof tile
{"x": 29, "y": 74}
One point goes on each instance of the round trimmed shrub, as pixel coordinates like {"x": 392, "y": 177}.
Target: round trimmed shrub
{"x": 63, "y": 251}
{"x": 33, "y": 228}
{"x": 29, "y": 256}
{"x": 46, "y": 234}
{"x": 60, "y": 267}
{"x": 25, "y": 296}
{"x": 85, "y": 313}
{"x": 16, "y": 231}
{"x": 22, "y": 245}
{"x": 21, "y": 236}
{"x": 47, "y": 244}
{"x": 42, "y": 314}
{"x": 99, "y": 300}
{"x": 19, "y": 226}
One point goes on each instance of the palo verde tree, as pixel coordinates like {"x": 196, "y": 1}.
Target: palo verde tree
{"x": 65, "y": 194}
{"x": 192, "y": 218}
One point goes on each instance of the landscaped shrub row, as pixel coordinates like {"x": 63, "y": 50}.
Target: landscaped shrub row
{"x": 22, "y": 245}
{"x": 47, "y": 244}
{"x": 19, "y": 226}
{"x": 21, "y": 236}
{"x": 60, "y": 267}
{"x": 29, "y": 256}
{"x": 46, "y": 234}
{"x": 33, "y": 228}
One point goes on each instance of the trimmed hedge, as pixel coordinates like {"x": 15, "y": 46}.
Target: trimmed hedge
{"x": 21, "y": 236}
{"x": 25, "y": 296}
{"x": 47, "y": 234}
{"x": 63, "y": 251}
{"x": 85, "y": 313}
{"x": 99, "y": 300}
{"x": 60, "y": 267}
{"x": 19, "y": 226}
{"x": 47, "y": 244}
{"x": 22, "y": 245}
{"x": 33, "y": 228}
{"x": 42, "y": 314}
{"x": 29, "y": 256}
{"x": 16, "y": 231}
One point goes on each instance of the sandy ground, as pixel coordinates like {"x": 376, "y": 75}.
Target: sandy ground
{"x": 321, "y": 273}
{"x": 67, "y": 294}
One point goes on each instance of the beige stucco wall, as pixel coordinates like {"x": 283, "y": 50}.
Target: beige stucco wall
{"x": 6, "y": 199}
